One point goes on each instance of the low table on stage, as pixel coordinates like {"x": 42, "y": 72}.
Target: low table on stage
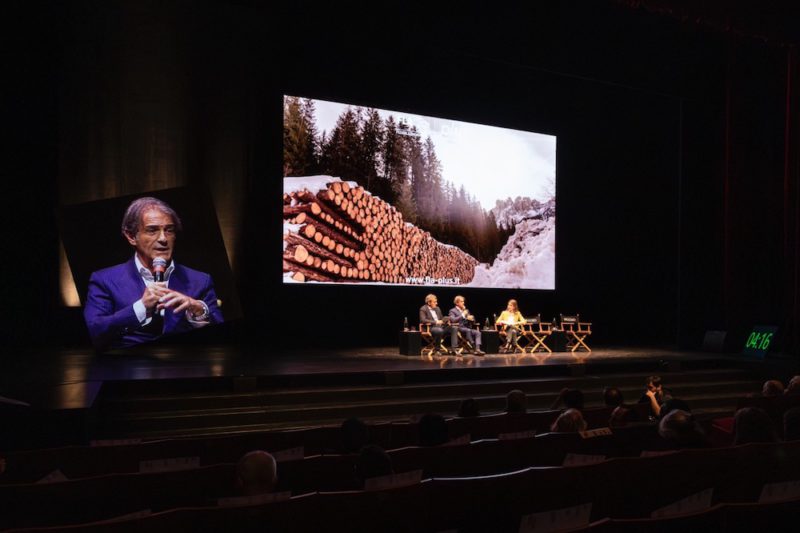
{"x": 557, "y": 341}
{"x": 410, "y": 342}
{"x": 490, "y": 341}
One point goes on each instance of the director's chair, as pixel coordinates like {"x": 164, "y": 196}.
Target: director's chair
{"x": 576, "y": 332}
{"x": 504, "y": 342}
{"x": 430, "y": 343}
{"x": 464, "y": 345}
{"x": 427, "y": 337}
{"x": 537, "y": 332}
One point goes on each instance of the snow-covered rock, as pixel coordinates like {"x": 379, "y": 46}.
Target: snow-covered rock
{"x": 511, "y": 212}
{"x": 527, "y": 261}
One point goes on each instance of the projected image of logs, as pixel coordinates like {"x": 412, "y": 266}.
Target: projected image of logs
{"x": 336, "y": 231}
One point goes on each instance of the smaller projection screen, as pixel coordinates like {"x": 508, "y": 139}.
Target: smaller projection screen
{"x": 372, "y": 196}
{"x": 126, "y": 301}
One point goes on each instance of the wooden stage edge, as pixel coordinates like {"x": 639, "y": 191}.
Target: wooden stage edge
{"x": 72, "y": 378}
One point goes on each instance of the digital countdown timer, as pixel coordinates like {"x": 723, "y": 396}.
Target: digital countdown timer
{"x": 760, "y": 340}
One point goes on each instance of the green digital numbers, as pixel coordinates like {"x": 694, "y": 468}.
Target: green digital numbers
{"x": 760, "y": 340}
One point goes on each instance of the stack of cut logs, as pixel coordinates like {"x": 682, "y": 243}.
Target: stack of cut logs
{"x": 343, "y": 233}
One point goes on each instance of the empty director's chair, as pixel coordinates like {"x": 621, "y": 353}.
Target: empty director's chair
{"x": 576, "y": 332}
{"x": 537, "y": 332}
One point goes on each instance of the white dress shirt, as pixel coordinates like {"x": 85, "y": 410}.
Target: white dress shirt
{"x": 148, "y": 278}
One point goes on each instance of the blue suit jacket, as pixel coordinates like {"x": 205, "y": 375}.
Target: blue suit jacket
{"x": 456, "y": 318}
{"x": 112, "y": 292}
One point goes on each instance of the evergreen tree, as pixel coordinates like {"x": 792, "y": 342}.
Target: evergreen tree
{"x": 300, "y": 145}
{"x": 372, "y": 134}
{"x": 340, "y": 154}
{"x": 393, "y": 158}
{"x": 492, "y": 235}
{"x": 405, "y": 202}
{"x": 328, "y": 149}
{"x": 311, "y": 143}
{"x": 434, "y": 184}
{"x": 416, "y": 172}
{"x": 293, "y": 137}
{"x": 391, "y": 154}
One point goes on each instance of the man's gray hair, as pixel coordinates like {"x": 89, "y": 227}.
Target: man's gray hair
{"x": 133, "y": 215}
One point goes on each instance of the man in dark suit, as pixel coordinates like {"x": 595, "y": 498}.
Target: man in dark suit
{"x": 462, "y": 321}
{"x": 432, "y": 315}
{"x": 126, "y": 304}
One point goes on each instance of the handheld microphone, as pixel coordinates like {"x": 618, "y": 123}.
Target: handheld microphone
{"x": 159, "y": 268}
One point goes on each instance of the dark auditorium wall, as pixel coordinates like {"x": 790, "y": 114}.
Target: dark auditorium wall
{"x": 677, "y": 191}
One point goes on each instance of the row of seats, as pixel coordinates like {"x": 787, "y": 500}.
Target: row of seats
{"x": 722, "y": 518}
{"x": 620, "y": 488}
{"x": 730, "y": 517}
{"x": 161, "y": 490}
{"x": 774, "y": 406}
{"x": 84, "y": 461}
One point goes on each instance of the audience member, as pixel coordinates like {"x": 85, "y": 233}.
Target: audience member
{"x": 793, "y": 387}
{"x": 679, "y": 428}
{"x": 570, "y": 421}
{"x": 516, "y": 402}
{"x": 373, "y": 461}
{"x": 622, "y": 416}
{"x": 654, "y": 395}
{"x": 571, "y": 398}
{"x": 772, "y": 388}
{"x": 468, "y": 408}
{"x": 612, "y": 397}
{"x": 354, "y": 435}
{"x": 256, "y": 473}
{"x": 791, "y": 424}
{"x": 672, "y": 404}
{"x": 432, "y": 430}
{"x": 752, "y": 424}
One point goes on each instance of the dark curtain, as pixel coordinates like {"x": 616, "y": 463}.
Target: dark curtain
{"x": 791, "y": 203}
{"x": 760, "y": 189}
{"x": 147, "y": 103}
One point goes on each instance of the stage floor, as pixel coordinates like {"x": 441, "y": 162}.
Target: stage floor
{"x": 71, "y": 378}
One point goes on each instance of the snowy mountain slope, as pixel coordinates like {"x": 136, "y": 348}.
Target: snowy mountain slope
{"x": 511, "y": 212}
{"x": 526, "y": 261}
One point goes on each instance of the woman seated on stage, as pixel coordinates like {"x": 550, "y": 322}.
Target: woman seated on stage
{"x": 509, "y": 319}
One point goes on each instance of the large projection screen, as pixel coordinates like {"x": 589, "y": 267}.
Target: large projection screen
{"x": 372, "y": 196}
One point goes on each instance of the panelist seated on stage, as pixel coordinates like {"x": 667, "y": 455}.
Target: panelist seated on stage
{"x": 511, "y": 319}
{"x": 150, "y": 295}
{"x": 431, "y": 315}
{"x": 462, "y": 321}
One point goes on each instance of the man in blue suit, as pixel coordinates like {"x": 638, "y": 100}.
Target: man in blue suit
{"x": 139, "y": 301}
{"x": 461, "y": 321}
